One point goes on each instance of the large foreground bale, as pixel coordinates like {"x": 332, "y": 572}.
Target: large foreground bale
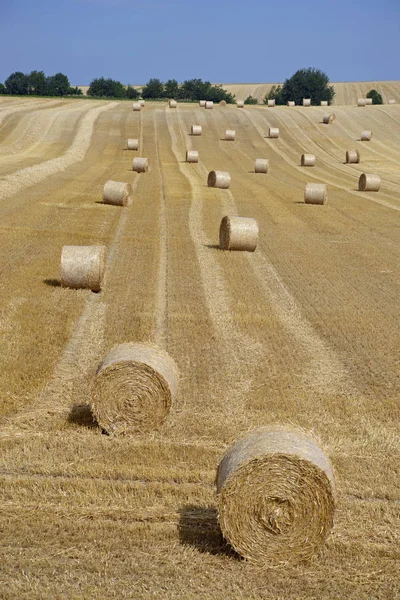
{"x": 140, "y": 164}
{"x": 132, "y": 144}
{"x": 329, "y": 118}
{"x": 173, "y": 104}
{"x": 219, "y": 179}
{"x": 230, "y": 135}
{"x": 196, "y": 130}
{"x": 238, "y": 233}
{"x": 82, "y": 267}
{"x": 352, "y": 156}
{"x": 202, "y": 103}
{"x": 271, "y": 102}
{"x": 192, "y": 156}
{"x": 369, "y": 182}
{"x": 262, "y": 165}
{"x": 291, "y": 103}
{"x": 362, "y": 102}
{"x": 134, "y": 388}
{"x": 307, "y": 160}
{"x": 240, "y": 103}
{"x": 136, "y": 106}
{"x": 209, "y": 104}
{"x": 276, "y": 496}
{"x": 366, "y": 136}
{"x": 316, "y": 193}
{"x": 118, "y": 193}
{"x": 306, "y": 101}
{"x": 273, "y": 132}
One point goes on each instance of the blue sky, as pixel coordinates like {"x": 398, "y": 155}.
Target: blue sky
{"x": 230, "y": 42}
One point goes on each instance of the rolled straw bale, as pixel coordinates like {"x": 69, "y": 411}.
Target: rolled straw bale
{"x": 240, "y": 103}
{"x": 329, "y": 118}
{"x": 291, "y": 103}
{"x": 192, "y": 156}
{"x": 132, "y": 144}
{"x": 273, "y": 132}
{"x": 276, "y": 496}
{"x": 136, "y": 106}
{"x": 196, "y": 130}
{"x": 134, "y": 388}
{"x": 369, "y": 183}
{"x": 82, "y": 267}
{"x": 140, "y": 165}
{"x": 141, "y": 102}
{"x": 324, "y": 102}
{"x": 306, "y": 101}
{"x": 118, "y": 193}
{"x": 202, "y": 103}
{"x": 391, "y": 101}
{"x": 230, "y": 135}
{"x": 368, "y": 101}
{"x": 352, "y": 156}
{"x": 219, "y": 179}
{"x": 366, "y": 136}
{"x": 362, "y": 102}
{"x": 238, "y": 233}
{"x": 307, "y": 160}
{"x": 316, "y": 193}
{"x": 271, "y": 102}
{"x": 209, "y": 104}
{"x": 262, "y": 165}
{"x": 222, "y": 103}
{"x": 173, "y": 104}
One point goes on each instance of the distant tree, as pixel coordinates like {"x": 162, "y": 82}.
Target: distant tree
{"x": 131, "y": 92}
{"x": 57, "y": 85}
{"x": 3, "y": 90}
{"x": 376, "y": 97}
{"x": 37, "y": 83}
{"x": 275, "y": 93}
{"x": 171, "y": 89}
{"x": 75, "y": 91}
{"x": 251, "y": 100}
{"x": 154, "y": 88}
{"x": 17, "y": 84}
{"x": 108, "y": 88}
{"x": 308, "y": 83}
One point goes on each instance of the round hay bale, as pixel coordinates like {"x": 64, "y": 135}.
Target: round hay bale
{"x": 368, "y": 101}
{"x": 271, "y": 102}
{"x": 306, "y": 101}
{"x": 273, "y": 132}
{"x": 82, "y": 267}
{"x": 261, "y": 166}
{"x": 196, "y": 130}
{"x": 329, "y": 118}
{"x": 362, "y": 102}
{"x": 291, "y": 103}
{"x": 240, "y": 103}
{"x": 316, "y": 193}
{"x": 136, "y": 106}
{"x": 369, "y": 183}
{"x": 276, "y": 496}
{"x": 352, "y": 156}
{"x": 140, "y": 165}
{"x": 391, "y": 101}
{"x": 192, "y": 156}
{"x": 219, "y": 179}
{"x": 222, "y": 103}
{"x": 238, "y": 233}
{"x": 132, "y": 144}
{"x": 202, "y": 103}
{"x": 230, "y": 135}
{"x": 324, "y": 102}
{"x": 172, "y": 103}
{"x": 141, "y": 102}
{"x": 308, "y": 160}
{"x": 209, "y": 104}
{"x": 366, "y": 136}
{"x": 134, "y": 388}
{"x": 118, "y": 193}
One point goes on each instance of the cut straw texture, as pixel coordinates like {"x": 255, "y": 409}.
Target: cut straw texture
{"x": 202, "y": 103}
{"x": 209, "y": 104}
{"x": 271, "y": 102}
{"x": 316, "y": 193}
{"x": 192, "y": 156}
{"x": 291, "y": 103}
{"x": 196, "y": 130}
{"x": 366, "y": 136}
{"x": 324, "y": 102}
{"x": 261, "y": 165}
{"x": 328, "y": 118}
{"x": 219, "y": 179}
{"x": 230, "y": 135}
{"x": 173, "y": 104}
{"x": 362, "y": 102}
{"x": 240, "y": 103}
{"x": 275, "y": 498}
{"x": 136, "y": 106}
{"x": 140, "y": 164}
{"x": 132, "y": 144}
{"x": 134, "y": 388}
{"x": 238, "y": 233}
{"x": 273, "y": 132}
{"x": 118, "y": 193}
{"x": 352, "y": 157}
{"x": 369, "y": 183}
{"x": 82, "y": 267}
{"x": 307, "y": 160}
{"x": 306, "y": 101}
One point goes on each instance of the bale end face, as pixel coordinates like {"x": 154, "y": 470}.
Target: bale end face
{"x": 230, "y": 135}
{"x": 327, "y": 119}
{"x": 132, "y": 144}
{"x": 238, "y": 233}
{"x": 202, "y": 103}
{"x": 366, "y": 136}
{"x": 196, "y": 130}
{"x": 273, "y": 132}
{"x": 83, "y": 267}
{"x": 219, "y": 179}
{"x": 192, "y": 156}
{"x": 369, "y": 182}
{"x": 307, "y": 160}
{"x": 352, "y": 157}
{"x": 261, "y": 166}
{"x": 316, "y": 193}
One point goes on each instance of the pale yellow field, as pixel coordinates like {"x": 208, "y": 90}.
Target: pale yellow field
{"x": 305, "y": 331}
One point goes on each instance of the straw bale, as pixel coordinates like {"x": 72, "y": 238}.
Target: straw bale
{"x": 209, "y": 104}
{"x": 324, "y": 102}
{"x": 291, "y": 103}
{"x": 391, "y": 101}
{"x": 132, "y": 144}
{"x": 82, "y": 267}
{"x": 368, "y": 101}
{"x": 173, "y": 104}
{"x": 136, "y": 106}
{"x": 219, "y": 179}
{"x": 366, "y": 136}
{"x": 306, "y": 101}
{"x": 261, "y": 166}
{"x": 140, "y": 164}
{"x": 308, "y": 160}
{"x": 118, "y": 193}
{"x": 316, "y": 193}
{"x": 238, "y": 233}
{"x": 362, "y": 102}
{"x": 271, "y": 102}
{"x": 134, "y": 388}
{"x": 222, "y": 103}
{"x": 240, "y": 103}
{"x": 352, "y": 156}
{"x": 196, "y": 130}
{"x": 202, "y": 103}
{"x": 369, "y": 183}
{"x": 273, "y": 132}
{"x": 141, "y": 102}
{"x": 230, "y": 135}
{"x": 276, "y": 496}
{"x": 192, "y": 156}
{"x": 329, "y": 118}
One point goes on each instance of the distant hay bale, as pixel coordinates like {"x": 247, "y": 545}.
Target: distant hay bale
{"x": 196, "y": 130}
{"x": 308, "y": 160}
{"x": 132, "y": 144}
{"x": 141, "y": 102}
{"x": 209, "y": 104}
{"x": 230, "y": 135}
{"x": 368, "y": 101}
{"x": 271, "y": 102}
{"x": 369, "y": 183}
{"x": 276, "y": 496}
{"x": 329, "y": 118}
{"x": 262, "y": 165}
{"x": 316, "y": 193}
{"x": 82, "y": 267}
{"x": 136, "y": 106}
{"x": 291, "y": 103}
{"x": 134, "y": 388}
{"x": 324, "y": 102}
{"x": 362, "y": 102}
{"x": 192, "y": 156}
{"x": 222, "y": 103}
{"x": 219, "y": 179}
{"x": 366, "y": 136}
{"x": 391, "y": 101}
{"x": 240, "y": 103}
{"x": 273, "y": 132}
{"x": 306, "y": 101}
{"x": 352, "y": 156}
{"x": 238, "y": 233}
{"x": 173, "y": 104}
{"x": 118, "y": 193}
{"x": 140, "y": 165}
{"x": 202, "y": 103}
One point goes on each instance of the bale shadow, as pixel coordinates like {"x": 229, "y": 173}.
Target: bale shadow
{"x": 81, "y": 414}
{"x": 212, "y": 246}
{"x": 198, "y": 527}
{"x": 52, "y": 282}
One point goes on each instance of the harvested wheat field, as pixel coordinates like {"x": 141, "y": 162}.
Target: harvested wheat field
{"x": 303, "y": 333}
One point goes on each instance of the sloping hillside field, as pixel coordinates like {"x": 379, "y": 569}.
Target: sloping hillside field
{"x": 303, "y": 332}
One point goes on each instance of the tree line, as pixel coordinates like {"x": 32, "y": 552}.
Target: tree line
{"x": 36, "y": 83}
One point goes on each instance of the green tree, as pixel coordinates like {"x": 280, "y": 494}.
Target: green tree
{"x": 376, "y": 97}
{"x": 37, "y": 83}
{"x": 154, "y": 88}
{"x": 251, "y": 100}
{"x": 3, "y": 90}
{"x": 308, "y": 83}
{"x": 107, "y": 88}
{"x": 131, "y": 92}
{"x": 171, "y": 88}
{"x": 75, "y": 91}
{"x": 57, "y": 85}
{"x": 275, "y": 93}
{"x": 17, "y": 84}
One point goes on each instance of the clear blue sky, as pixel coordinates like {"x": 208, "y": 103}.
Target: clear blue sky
{"x": 222, "y": 41}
